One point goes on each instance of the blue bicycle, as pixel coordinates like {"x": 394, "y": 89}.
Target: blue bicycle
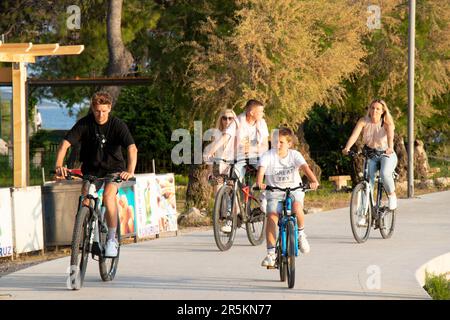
{"x": 287, "y": 240}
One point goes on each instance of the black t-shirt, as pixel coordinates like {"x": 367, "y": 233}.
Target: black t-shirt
{"x": 101, "y": 151}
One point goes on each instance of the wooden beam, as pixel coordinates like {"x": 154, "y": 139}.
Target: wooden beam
{"x": 65, "y": 50}
{"x": 15, "y": 47}
{"x": 9, "y": 57}
{"x": 19, "y": 75}
{"x": 47, "y": 48}
{"x": 69, "y": 50}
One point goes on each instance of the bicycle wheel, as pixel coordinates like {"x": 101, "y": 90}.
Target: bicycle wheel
{"x": 387, "y": 217}
{"x": 290, "y": 250}
{"x": 360, "y": 213}
{"x": 282, "y": 266}
{"x": 80, "y": 247}
{"x": 108, "y": 266}
{"x": 223, "y": 217}
{"x": 256, "y": 219}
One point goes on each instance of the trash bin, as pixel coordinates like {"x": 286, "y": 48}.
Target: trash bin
{"x": 59, "y": 207}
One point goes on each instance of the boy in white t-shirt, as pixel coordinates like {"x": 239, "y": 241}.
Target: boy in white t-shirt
{"x": 280, "y": 166}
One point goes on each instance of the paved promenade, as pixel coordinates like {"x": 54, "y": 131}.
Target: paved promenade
{"x": 191, "y": 267}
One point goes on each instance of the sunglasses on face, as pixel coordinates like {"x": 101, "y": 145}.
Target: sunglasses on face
{"x": 224, "y": 118}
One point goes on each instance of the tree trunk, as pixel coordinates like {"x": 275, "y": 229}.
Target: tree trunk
{"x": 303, "y": 148}
{"x": 357, "y": 163}
{"x": 199, "y": 192}
{"x": 421, "y": 166}
{"x": 120, "y": 59}
{"x": 402, "y": 155}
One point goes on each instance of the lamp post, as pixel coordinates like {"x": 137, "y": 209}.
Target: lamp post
{"x": 411, "y": 48}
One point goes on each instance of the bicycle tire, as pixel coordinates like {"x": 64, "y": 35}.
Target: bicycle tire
{"x": 387, "y": 223}
{"x": 357, "y": 200}
{"x": 256, "y": 220}
{"x": 282, "y": 267}
{"x": 223, "y": 240}
{"x": 79, "y": 249}
{"x": 108, "y": 266}
{"x": 290, "y": 252}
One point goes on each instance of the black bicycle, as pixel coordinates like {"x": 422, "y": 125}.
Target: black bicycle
{"x": 90, "y": 235}
{"x": 236, "y": 204}
{"x": 365, "y": 209}
{"x": 286, "y": 249}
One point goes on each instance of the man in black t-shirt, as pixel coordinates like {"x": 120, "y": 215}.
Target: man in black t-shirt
{"x": 101, "y": 137}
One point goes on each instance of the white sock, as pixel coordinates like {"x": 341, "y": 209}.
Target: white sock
{"x": 301, "y": 232}
{"x": 270, "y": 250}
{"x": 111, "y": 233}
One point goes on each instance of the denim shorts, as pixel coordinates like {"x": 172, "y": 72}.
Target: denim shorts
{"x": 275, "y": 200}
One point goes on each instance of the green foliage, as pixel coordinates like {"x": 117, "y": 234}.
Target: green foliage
{"x": 286, "y": 53}
{"x": 327, "y": 131}
{"x": 181, "y": 180}
{"x": 47, "y": 23}
{"x": 43, "y": 139}
{"x": 6, "y": 178}
{"x": 437, "y": 286}
{"x": 386, "y": 65}
{"x": 150, "y": 123}
{"x": 435, "y": 130}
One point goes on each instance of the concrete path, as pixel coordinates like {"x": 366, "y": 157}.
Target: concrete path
{"x": 191, "y": 267}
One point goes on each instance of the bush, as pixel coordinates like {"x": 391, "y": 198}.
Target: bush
{"x": 437, "y": 286}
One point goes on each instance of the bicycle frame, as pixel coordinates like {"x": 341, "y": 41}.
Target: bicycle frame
{"x": 284, "y": 217}
{"x": 374, "y": 204}
{"x": 96, "y": 212}
{"x": 240, "y": 190}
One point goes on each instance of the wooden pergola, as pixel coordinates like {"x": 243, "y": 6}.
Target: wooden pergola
{"x": 20, "y": 54}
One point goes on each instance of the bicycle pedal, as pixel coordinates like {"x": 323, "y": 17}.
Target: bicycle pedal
{"x": 269, "y": 267}
{"x": 96, "y": 250}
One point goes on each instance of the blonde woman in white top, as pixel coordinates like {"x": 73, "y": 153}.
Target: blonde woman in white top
{"x": 378, "y": 133}
{"x": 223, "y": 145}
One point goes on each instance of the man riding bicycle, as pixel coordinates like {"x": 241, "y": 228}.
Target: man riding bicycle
{"x": 101, "y": 137}
{"x": 250, "y": 132}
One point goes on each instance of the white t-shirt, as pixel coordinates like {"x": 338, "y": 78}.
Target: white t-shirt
{"x": 247, "y": 134}
{"x": 226, "y": 151}
{"x": 282, "y": 172}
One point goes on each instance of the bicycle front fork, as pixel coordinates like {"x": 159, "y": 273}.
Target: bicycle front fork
{"x": 283, "y": 235}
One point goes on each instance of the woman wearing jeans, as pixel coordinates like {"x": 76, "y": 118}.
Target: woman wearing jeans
{"x": 378, "y": 134}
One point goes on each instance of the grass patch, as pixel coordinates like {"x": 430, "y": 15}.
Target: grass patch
{"x": 443, "y": 166}
{"x": 327, "y": 198}
{"x": 437, "y": 286}
{"x": 181, "y": 180}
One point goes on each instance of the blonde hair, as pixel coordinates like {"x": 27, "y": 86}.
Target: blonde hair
{"x": 386, "y": 116}
{"x": 219, "y": 123}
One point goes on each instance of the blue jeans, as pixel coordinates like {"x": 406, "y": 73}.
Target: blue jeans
{"x": 388, "y": 165}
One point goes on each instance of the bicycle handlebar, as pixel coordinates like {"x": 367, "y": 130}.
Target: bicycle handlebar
{"x": 352, "y": 153}
{"x": 89, "y": 178}
{"x": 233, "y": 161}
{"x": 304, "y": 188}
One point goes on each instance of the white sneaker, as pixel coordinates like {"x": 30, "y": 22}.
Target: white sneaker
{"x": 362, "y": 221}
{"x": 111, "y": 248}
{"x": 303, "y": 244}
{"x": 269, "y": 260}
{"x": 227, "y": 227}
{"x": 392, "y": 202}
